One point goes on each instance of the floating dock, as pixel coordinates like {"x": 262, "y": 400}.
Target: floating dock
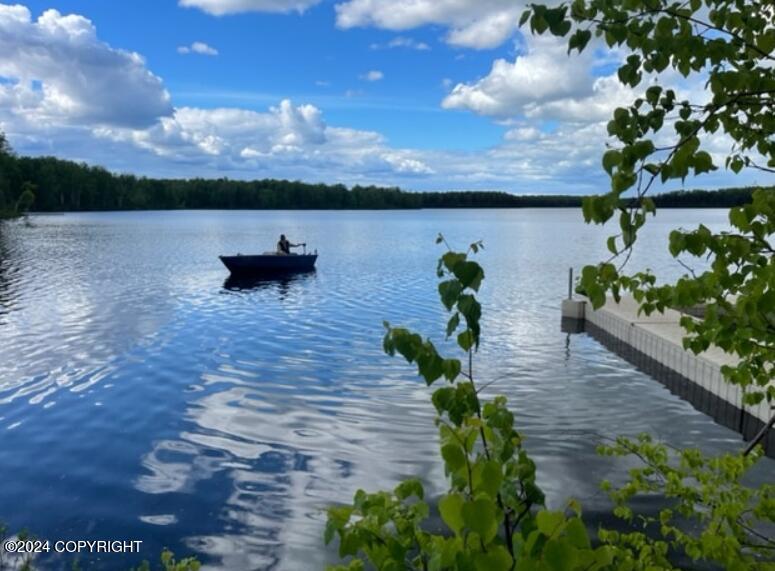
{"x": 654, "y": 345}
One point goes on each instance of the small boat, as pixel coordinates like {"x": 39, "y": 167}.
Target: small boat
{"x": 247, "y": 265}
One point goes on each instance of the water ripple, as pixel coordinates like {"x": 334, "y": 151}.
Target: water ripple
{"x": 144, "y": 395}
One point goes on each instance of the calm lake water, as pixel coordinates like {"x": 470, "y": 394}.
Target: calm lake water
{"x": 142, "y": 397}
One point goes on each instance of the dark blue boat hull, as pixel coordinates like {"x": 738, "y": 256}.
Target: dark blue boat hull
{"x": 269, "y": 264}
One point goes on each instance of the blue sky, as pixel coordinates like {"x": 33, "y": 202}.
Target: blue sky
{"x": 320, "y": 64}
{"x": 423, "y": 94}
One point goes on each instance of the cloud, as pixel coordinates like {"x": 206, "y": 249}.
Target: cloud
{"x": 57, "y": 71}
{"x": 373, "y": 75}
{"x": 224, "y": 7}
{"x": 598, "y": 104}
{"x": 545, "y": 83}
{"x": 477, "y": 24}
{"x": 403, "y": 163}
{"x": 487, "y": 32}
{"x": 198, "y": 48}
{"x": 543, "y": 74}
{"x": 227, "y": 132}
{"x": 522, "y": 134}
{"x": 286, "y": 140}
{"x": 402, "y": 42}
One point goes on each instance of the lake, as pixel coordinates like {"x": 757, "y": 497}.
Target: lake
{"x": 145, "y": 397}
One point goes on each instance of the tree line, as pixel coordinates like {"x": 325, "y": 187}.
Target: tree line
{"x": 48, "y": 184}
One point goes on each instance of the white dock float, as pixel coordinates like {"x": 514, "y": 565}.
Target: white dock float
{"x": 654, "y": 344}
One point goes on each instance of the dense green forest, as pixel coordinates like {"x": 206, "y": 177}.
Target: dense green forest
{"x": 59, "y": 185}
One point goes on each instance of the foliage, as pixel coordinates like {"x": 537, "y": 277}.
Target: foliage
{"x": 706, "y": 496}
{"x": 169, "y": 563}
{"x": 733, "y": 44}
{"x": 493, "y": 511}
{"x": 492, "y": 480}
{"x": 731, "y": 41}
{"x": 13, "y": 193}
{"x": 722, "y": 198}
{"x": 15, "y": 561}
{"x": 26, "y": 199}
{"x": 737, "y": 291}
{"x": 5, "y": 146}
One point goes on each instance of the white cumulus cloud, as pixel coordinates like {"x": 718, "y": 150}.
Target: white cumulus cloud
{"x": 58, "y": 71}
{"x": 544, "y": 74}
{"x": 223, "y": 7}
{"x": 403, "y": 163}
{"x": 475, "y": 24}
{"x": 287, "y": 140}
{"x": 402, "y": 42}
{"x": 373, "y": 75}
{"x": 198, "y": 48}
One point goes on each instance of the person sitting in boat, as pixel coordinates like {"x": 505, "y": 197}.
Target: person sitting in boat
{"x": 284, "y": 245}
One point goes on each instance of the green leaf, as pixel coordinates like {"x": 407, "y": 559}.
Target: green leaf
{"x": 408, "y": 488}
{"x": 487, "y": 477}
{"x": 652, "y": 94}
{"x": 622, "y": 180}
{"x": 479, "y": 517}
{"x": 406, "y": 343}
{"x": 676, "y": 243}
{"x": 465, "y": 340}
{"x": 577, "y": 533}
{"x": 449, "y": 291}
{"x": 549, "y": 522}
{"x": 538, "y": 24}
{"x": 330, "y": 531}
{"x": 497, "y": 558}
{"x": 561, "y": 29}
{"x": 452, "y": 259}
{"x": 429, "y": 364}
{"x": 459, "y": 402}
{"x": 766, "y": 303}
{"x": 736, "y": 164}
{"x": 739, "y": 219}
{"x": 471, "y": 310}
{"x": 452, "y": 324}
{"x": 579, "y": 40}
{"x": 702, "y": 162}
{"x": 454, "y": 457}
{"x": 643, "y": 149}
{"x": 611, "y": 159}
{"x": 451, "y": 368}
{"x": 470, "y": 274}
{"x": 442, "y": 399}
{"x": 451, "y": 510}
{"x": 559, "y": 555}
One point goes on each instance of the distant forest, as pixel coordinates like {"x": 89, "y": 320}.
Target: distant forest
{"x": 60, "y": 185}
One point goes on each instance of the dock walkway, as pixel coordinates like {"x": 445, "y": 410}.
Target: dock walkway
{"x": 654, "y": 344}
